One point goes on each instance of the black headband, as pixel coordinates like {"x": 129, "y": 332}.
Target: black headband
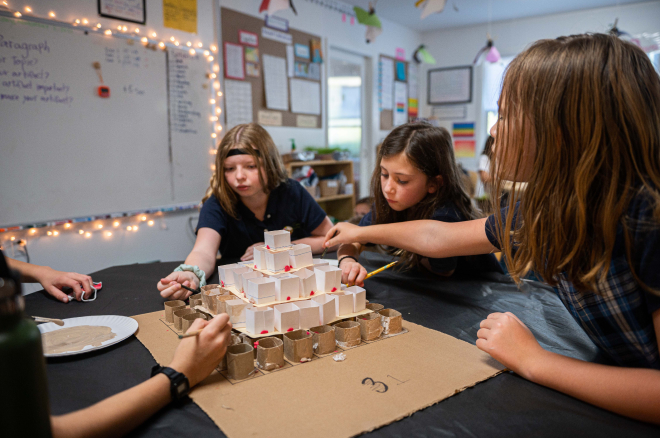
{"x": 233, "y": 152}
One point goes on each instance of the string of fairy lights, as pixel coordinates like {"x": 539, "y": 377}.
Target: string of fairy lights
{"x": 108, "y": 225}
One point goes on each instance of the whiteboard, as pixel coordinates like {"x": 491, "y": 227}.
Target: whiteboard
{"x": 66, "y": 152}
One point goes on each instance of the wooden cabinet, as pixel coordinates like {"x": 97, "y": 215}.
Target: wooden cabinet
{"x": 339, "y": 206}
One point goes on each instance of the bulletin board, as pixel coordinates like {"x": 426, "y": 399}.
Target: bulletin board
{"x": 387, "y": 115}
{"x": 235, "y": 24}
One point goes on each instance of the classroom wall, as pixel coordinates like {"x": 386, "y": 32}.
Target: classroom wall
{"x": 170, "y": 237}
{"x": 458, "y": 46}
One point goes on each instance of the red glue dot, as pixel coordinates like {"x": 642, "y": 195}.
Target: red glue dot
{"x": 255, "y": 266}
{"x": 267, "y": 247}
{"x": 290, "y": 329}
{"x": 288, "y": 298}
{"x": 222, "y": 283}
{"x": 287, "y": 268}
{"x": 333, "y": 289}
{"x": 256, "y": 344}
{"x": 263, "y": 332}
{"x": 311, "y": 293}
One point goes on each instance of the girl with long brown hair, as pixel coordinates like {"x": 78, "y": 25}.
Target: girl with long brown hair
{"x": 248, "y": 194}
{"x": 580, "y": 122}
{"x": 416, "y": 177}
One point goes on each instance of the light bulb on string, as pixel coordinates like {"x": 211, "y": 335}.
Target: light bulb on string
{"x": 200, "y": 45}
{"x": 213, "y": 48}
{"x": 214, "y": 135}
{"x": 144, "y": 40}
{"x": 67, "y": 226}
{"x": 216, "y": 85}
{"x": 135, "y": 227}
{"x": 210, "y": 59}
{"x": 161, "y": 45}
{"x": 33, "y": 230}
{"x": 172, "y": 39}
{"x": 212, "y": 101}
{"x": 176, "y": 43}
{"x": 216, "y": 68}
{"x": 137, "y": 30}
{"x": 218, "y": 128}
{"x": 124, "y": 28}
{"x": 206, "y": 53}
{"x": 219, "y": 93}
{"x": 115, "y": 224}
{"x": 51, "y": 14}
{"x": 218, "y": 110}
{"x": 28, "y": 10}
{"x": 108, "y": 234}
{"x": 150, "y": 223}
{"x": 12, "y": 238}
{"x": 192, "y": 52}
{"x": 214, "y": 118}
{"x": 213, "y": 167}
{"x": 50, "y": 233}
{"x": 56, "y": 233}
{"x": 98, "y": 25}
{"x": 88, "y": 235}
{"x": 213, "y": 76}
{"x": 189, "y": 44}
{"x": 143, "y": 218}
{"x": 81, "y": 232}
{"x": 99, "y": 226}
{"x": 108, "y": 32}
{"x": 153, "y": 34}
{"x": 85, "y": 22}
{"x": 129, "y": 228}
{"x": 17, "y": 14}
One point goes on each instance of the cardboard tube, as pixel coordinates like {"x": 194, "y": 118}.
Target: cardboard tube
{"x": 347, "y": 333}
{"x": 195, "y": 300}
{"x": 370, "y": 326}
{"x": 250, "y": 341}
{"x": 374, "y": 307}
{"x": 240, "y": 361}
{"x": 323, "y": 339}
{"x": 298, "y": 345}
{"x": 208, "y": 292}
{"x": 171, "y": 306}
{"x": 220, "y": 306}
{"x": 391, "y": 320}
{"x": 270, "y": 354}
{"x": 178, "y": 314}
{"x": 187, "y": 320}
{"x": 233, "y": 341}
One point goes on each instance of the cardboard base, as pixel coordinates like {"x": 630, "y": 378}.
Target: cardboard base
{"x": 379, "y": 375}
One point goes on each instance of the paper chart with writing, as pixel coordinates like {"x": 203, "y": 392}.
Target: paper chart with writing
{"x": 386, "y": 83}
{"x": 275, "y": 83}
{"x": 305, "y": 97}
{"x": 234, "y": 61}
{"x": 238, "y": 102}
{"x": 401, "y": 103}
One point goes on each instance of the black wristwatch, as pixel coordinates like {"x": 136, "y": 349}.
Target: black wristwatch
{"x": 179, "y": 385}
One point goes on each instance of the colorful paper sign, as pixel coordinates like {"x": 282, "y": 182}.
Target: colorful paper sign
{"x": 465, "y": 148}
{"x": 463, "y": 129}
{"x": 180, "y": 14}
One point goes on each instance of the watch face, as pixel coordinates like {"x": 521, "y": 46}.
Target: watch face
{"x": 182, "y": 388}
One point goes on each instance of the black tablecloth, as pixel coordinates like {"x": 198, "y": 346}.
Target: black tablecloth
{"x": 503, "y": 406}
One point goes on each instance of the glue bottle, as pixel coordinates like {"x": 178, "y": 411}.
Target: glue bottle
{"x": 24, "y": 406}
{"x": 293, "y": 144}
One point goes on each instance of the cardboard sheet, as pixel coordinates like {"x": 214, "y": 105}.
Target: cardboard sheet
{"x": 377, "y": 384}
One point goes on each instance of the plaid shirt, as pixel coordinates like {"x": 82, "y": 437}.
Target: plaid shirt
{"x": 619, "y": 318}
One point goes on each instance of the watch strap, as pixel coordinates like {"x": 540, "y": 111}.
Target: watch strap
{"x": 179, "y": 385}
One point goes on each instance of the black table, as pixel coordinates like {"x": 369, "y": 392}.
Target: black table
{"x": 504, "y": 406}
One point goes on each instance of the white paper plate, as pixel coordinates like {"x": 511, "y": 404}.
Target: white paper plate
{"x": 122, "y": 326}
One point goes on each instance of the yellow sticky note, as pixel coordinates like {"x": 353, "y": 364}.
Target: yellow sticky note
{"x": 180, "y": 14}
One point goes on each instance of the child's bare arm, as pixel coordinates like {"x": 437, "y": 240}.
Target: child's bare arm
{"x": 427, "y": 238}
{"x": 632, "y": 392}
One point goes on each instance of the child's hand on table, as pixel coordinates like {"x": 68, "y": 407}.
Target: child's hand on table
{"x": 345, "y": 233}
{"x": 510, "y": 342}
{"x": 170, "y": 286}
{"x": 197, "y": 356}
{"x": 249, "y": 252}
{"x": 352, "y": 273}
{"x": 54, "y": 281}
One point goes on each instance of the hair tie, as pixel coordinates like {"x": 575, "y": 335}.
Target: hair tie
{"x": 233, "y": 152}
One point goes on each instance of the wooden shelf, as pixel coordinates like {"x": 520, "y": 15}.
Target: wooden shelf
{"x": 339, "y": 206}
{"x": 333, "y": 198}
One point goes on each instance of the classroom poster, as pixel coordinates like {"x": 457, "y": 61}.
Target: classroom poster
{"x": 400, "y": 103}
{"x": 386, "y": 76}
{"x": 465, "y": 129}
{"x": 465, "y": 148}
{"x": 180, "y": 14}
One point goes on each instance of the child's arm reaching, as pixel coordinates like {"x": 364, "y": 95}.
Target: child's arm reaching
{"x": 428, "y": 238}
{"x": 632, "y": 392}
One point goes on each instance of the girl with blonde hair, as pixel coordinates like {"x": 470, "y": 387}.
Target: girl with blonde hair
{"x": 580, "y": 122}
{"x": 249, "y": 193}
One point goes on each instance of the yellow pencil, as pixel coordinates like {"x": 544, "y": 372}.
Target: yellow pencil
{"x": 379, "y": 270}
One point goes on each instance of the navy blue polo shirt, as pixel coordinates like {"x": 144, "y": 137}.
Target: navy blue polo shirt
{"x": 460, "y": 265}
{"x": 289, "y": 205}
{"x": 618, "y": 317}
